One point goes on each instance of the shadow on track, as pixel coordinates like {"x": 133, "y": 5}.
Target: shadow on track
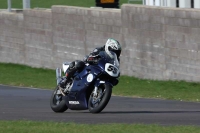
{"x": 133, "y": 112}
{"x": 146, "y": 112}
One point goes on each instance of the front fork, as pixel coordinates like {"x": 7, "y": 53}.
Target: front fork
{"x": 97, "y": 84}
{"x": 95, "y": 91}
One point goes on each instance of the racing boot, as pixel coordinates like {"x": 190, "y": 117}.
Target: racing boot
{"x": 68, "y": 75}
{"x": 62, "y": 84}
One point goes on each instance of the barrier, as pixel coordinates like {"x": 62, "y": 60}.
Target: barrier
{"x": 174, "y": 3}
{"x": 157, "y": 43}
{"x": 26, "y": 4}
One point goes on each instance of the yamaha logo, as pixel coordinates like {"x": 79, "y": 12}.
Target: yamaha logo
{"x": 74, "y": 102}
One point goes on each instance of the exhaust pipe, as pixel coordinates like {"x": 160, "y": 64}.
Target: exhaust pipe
{"x": 58, "y": 75}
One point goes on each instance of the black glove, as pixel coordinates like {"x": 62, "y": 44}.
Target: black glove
{"x": 92, "y": 59}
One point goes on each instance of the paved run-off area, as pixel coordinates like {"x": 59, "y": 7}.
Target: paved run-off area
{"x": 33, "y": 104}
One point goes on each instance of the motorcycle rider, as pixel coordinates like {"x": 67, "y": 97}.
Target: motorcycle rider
{"x": 111, "y": 45}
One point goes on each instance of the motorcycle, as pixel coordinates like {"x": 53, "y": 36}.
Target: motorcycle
{"x": 89, "y": 89}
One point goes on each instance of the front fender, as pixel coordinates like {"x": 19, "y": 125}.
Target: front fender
{"x": 100, "y": 82}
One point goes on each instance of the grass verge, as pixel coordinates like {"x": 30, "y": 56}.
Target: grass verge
{"x": 49, "y": 3}
{"x": 54, "y": 127}
{"x": 20, "y": 75}
{"x": 177, "y": 90}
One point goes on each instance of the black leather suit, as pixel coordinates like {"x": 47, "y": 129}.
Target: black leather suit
{"x": 78, "y": 65}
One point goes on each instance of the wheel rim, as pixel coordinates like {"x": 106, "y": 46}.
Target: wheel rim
{"x": 96, "y": 100}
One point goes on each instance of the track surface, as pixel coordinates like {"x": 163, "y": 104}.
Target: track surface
{"x": 33, "y": 104}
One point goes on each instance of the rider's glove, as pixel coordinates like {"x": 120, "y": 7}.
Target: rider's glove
{"x": 92, "y": 59}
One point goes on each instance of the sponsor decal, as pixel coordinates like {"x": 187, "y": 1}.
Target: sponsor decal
{"x": 90, "y": 78}
{"x": 102, "y": 81}
{"x": 74, "y": 102}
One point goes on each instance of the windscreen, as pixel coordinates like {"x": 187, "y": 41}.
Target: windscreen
{"x": 113, "y": 60}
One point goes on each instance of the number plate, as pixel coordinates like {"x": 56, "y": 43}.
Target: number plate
{"x": 107, "y": 1}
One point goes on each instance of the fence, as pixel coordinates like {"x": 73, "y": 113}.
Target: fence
{"x": 174, "y": 3}
{"x": 26, "y": 4}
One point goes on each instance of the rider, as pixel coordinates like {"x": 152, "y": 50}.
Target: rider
{"x": 111, "y": 45}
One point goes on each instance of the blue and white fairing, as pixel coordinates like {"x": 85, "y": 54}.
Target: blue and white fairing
{"x": 85, "y": 81}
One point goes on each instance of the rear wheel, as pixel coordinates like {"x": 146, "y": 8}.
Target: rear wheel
{"x": 97, "y": 102}
{"x": 57, "y": 102}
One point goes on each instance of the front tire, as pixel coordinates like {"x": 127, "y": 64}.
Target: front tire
{"x": 57, "y": 102}
{"x": 97, "y": 103}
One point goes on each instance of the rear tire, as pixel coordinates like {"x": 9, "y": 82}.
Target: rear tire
{"x": 57, "y": 102}
{"x": 107, "y": 91}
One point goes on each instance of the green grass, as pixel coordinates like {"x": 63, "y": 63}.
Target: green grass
{"x": 20, "y": 75}
{"x": 49, "y": 3}
{"x": 54, "y": 127}
{"x": 178, "y": 90}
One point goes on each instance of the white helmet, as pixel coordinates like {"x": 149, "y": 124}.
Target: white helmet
{"x": 114, "y": 46}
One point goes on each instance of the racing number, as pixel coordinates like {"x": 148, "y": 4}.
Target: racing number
{"x": 113, "y": 69}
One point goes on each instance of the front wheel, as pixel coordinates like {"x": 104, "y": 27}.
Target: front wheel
{"x": 56, "y": 102}
{"x": 97, "y": 102}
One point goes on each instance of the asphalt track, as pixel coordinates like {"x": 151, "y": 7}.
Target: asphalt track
{"x": 33, "y": 104}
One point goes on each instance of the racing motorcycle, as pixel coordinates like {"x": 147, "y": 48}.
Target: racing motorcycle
{"x": 89, "y": 89}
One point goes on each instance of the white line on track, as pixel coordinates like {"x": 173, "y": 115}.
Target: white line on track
{"x": 26, "y": 87}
